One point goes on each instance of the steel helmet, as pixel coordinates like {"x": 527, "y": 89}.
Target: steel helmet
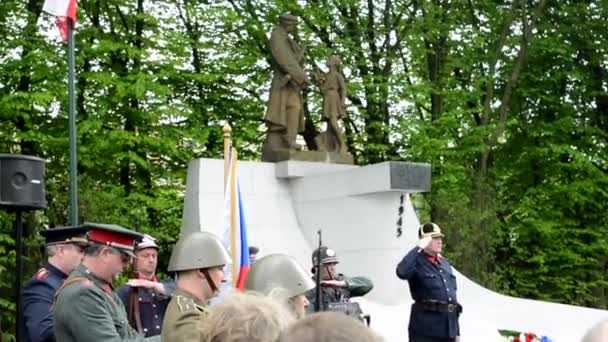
{"x": 198, "y": 250}
{"x": 328, "y": 255}
{"x": 278, "y": 271}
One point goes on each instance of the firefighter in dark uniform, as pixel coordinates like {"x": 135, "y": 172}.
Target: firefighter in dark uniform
{"x": 144, "y": 296}
{"x": 64, "y": 248}
{"x": 336, "y": 288}
{"x": 435, "y": 312}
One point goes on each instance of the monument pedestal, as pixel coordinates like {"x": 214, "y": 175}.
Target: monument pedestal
{"x": 309, "y": 156}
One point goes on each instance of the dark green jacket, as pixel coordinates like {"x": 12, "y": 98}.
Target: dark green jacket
{"x": 88, "y": 309}
{"x": 182, "y": 317}
{"x": 355, "y": 287}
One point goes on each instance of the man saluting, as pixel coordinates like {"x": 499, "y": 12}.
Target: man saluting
{"x": 435, "y": 312}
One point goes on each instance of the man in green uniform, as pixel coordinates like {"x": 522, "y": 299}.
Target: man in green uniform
{"x": 198, "y": 259}
{"x": 86, "y": 306}
{"x": 336, "y": 288}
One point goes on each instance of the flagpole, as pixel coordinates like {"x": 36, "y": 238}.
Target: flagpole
{"x": 227, "y": 145}
{"x": 72, "y": 125}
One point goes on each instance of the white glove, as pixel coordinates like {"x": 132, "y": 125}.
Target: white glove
{"x": 424, "y": 242}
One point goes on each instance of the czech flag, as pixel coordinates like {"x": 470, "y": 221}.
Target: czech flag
{"x": 62, "y": 10}
{"x": 235, "y": 227}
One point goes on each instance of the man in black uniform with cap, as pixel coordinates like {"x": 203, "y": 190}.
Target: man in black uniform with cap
{"x": 64, "y": 249}
{"x": 435, "y": 312}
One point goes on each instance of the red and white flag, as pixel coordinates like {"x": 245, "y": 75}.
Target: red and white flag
{"x": 62, "y": 10}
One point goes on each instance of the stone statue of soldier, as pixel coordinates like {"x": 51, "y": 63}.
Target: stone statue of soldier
{"x": 285, "y": 112}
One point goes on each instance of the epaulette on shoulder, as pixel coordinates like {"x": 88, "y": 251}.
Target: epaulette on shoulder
{"x": 184, "y": 303}
{"x": 42, "y": 274}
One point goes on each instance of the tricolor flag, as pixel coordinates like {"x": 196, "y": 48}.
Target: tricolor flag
{"x": 62, "y": 10}
{"x": 235, "y": 227}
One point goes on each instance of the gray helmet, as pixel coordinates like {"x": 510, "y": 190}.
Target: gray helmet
{"x": 328, "y": 255}
{"x": 198, "y": 250}
{"x": 278, "y": 271}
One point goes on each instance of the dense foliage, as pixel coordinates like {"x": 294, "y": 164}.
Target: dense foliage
{"x": 508, "y": 100}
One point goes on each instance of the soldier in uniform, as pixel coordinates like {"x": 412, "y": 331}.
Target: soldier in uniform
{"x": 285, "y": 113}
{"x": 198, "y": 259}
{"x": 64, "y": 249}
{"x": 281, "y": 277}
{"x": 86, "y": 306}
{"x": 146, "y": 298}
{"x": 336, "y": 288}
{"x": 435, "y": 312}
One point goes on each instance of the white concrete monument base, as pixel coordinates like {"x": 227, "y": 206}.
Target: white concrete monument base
{"x": 286, "y": 203}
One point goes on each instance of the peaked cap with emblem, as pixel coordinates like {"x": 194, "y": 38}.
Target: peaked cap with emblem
{"x": 113, "y": 235}
{"x": 60, "y": 235}
{"x": 429, "y": 229}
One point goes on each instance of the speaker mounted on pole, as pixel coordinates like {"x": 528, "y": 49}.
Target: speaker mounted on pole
{"x": 21, "y": 189}
{"x": 22, "y": 182}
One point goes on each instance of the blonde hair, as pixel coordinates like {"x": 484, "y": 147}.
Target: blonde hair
{"x": 281, "y": 295}
{"x": 329, "y": 327}
{"x": 245, "y": 317}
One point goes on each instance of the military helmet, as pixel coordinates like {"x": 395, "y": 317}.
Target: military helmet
{"x": 278, "y": 271}
{"x": 328, "y": 255}
{"x": 198, "y": 250}
{"x": 429, "y": 229}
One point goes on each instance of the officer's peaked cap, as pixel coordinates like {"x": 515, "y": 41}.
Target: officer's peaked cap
{"x": 112, "y": 235}
{"x": 59, "y": 235}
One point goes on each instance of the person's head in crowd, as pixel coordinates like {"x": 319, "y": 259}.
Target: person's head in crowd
{"x": 329, "y": 326}
{"x": 198, "y": 259}
{"x": 65, "y": 247}
{"x": 281, "y": 277}
{"x": 146, "y": 257}
{"x": 597, "y": 333}
{"x": 245, "y": 317}
{"x": 110, "y": 250}
{"x": 253, "y": 254}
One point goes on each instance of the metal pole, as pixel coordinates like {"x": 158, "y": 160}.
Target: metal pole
{"x": 19, "y": 257}
{"x": 72, "y": 126}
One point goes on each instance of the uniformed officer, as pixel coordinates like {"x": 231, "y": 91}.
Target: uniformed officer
{"x": 86, "y": 307}
{"x": 198, "y": 259}
{"x": 280, "y": 276}
{"x": 434, "y": 314}
{"x": 336, "y": 288}
{"x": 64, "y": 249}
{"x": 144, "y": 297}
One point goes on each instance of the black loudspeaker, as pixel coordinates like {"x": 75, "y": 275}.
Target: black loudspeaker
{"x": 22, "y": 182}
